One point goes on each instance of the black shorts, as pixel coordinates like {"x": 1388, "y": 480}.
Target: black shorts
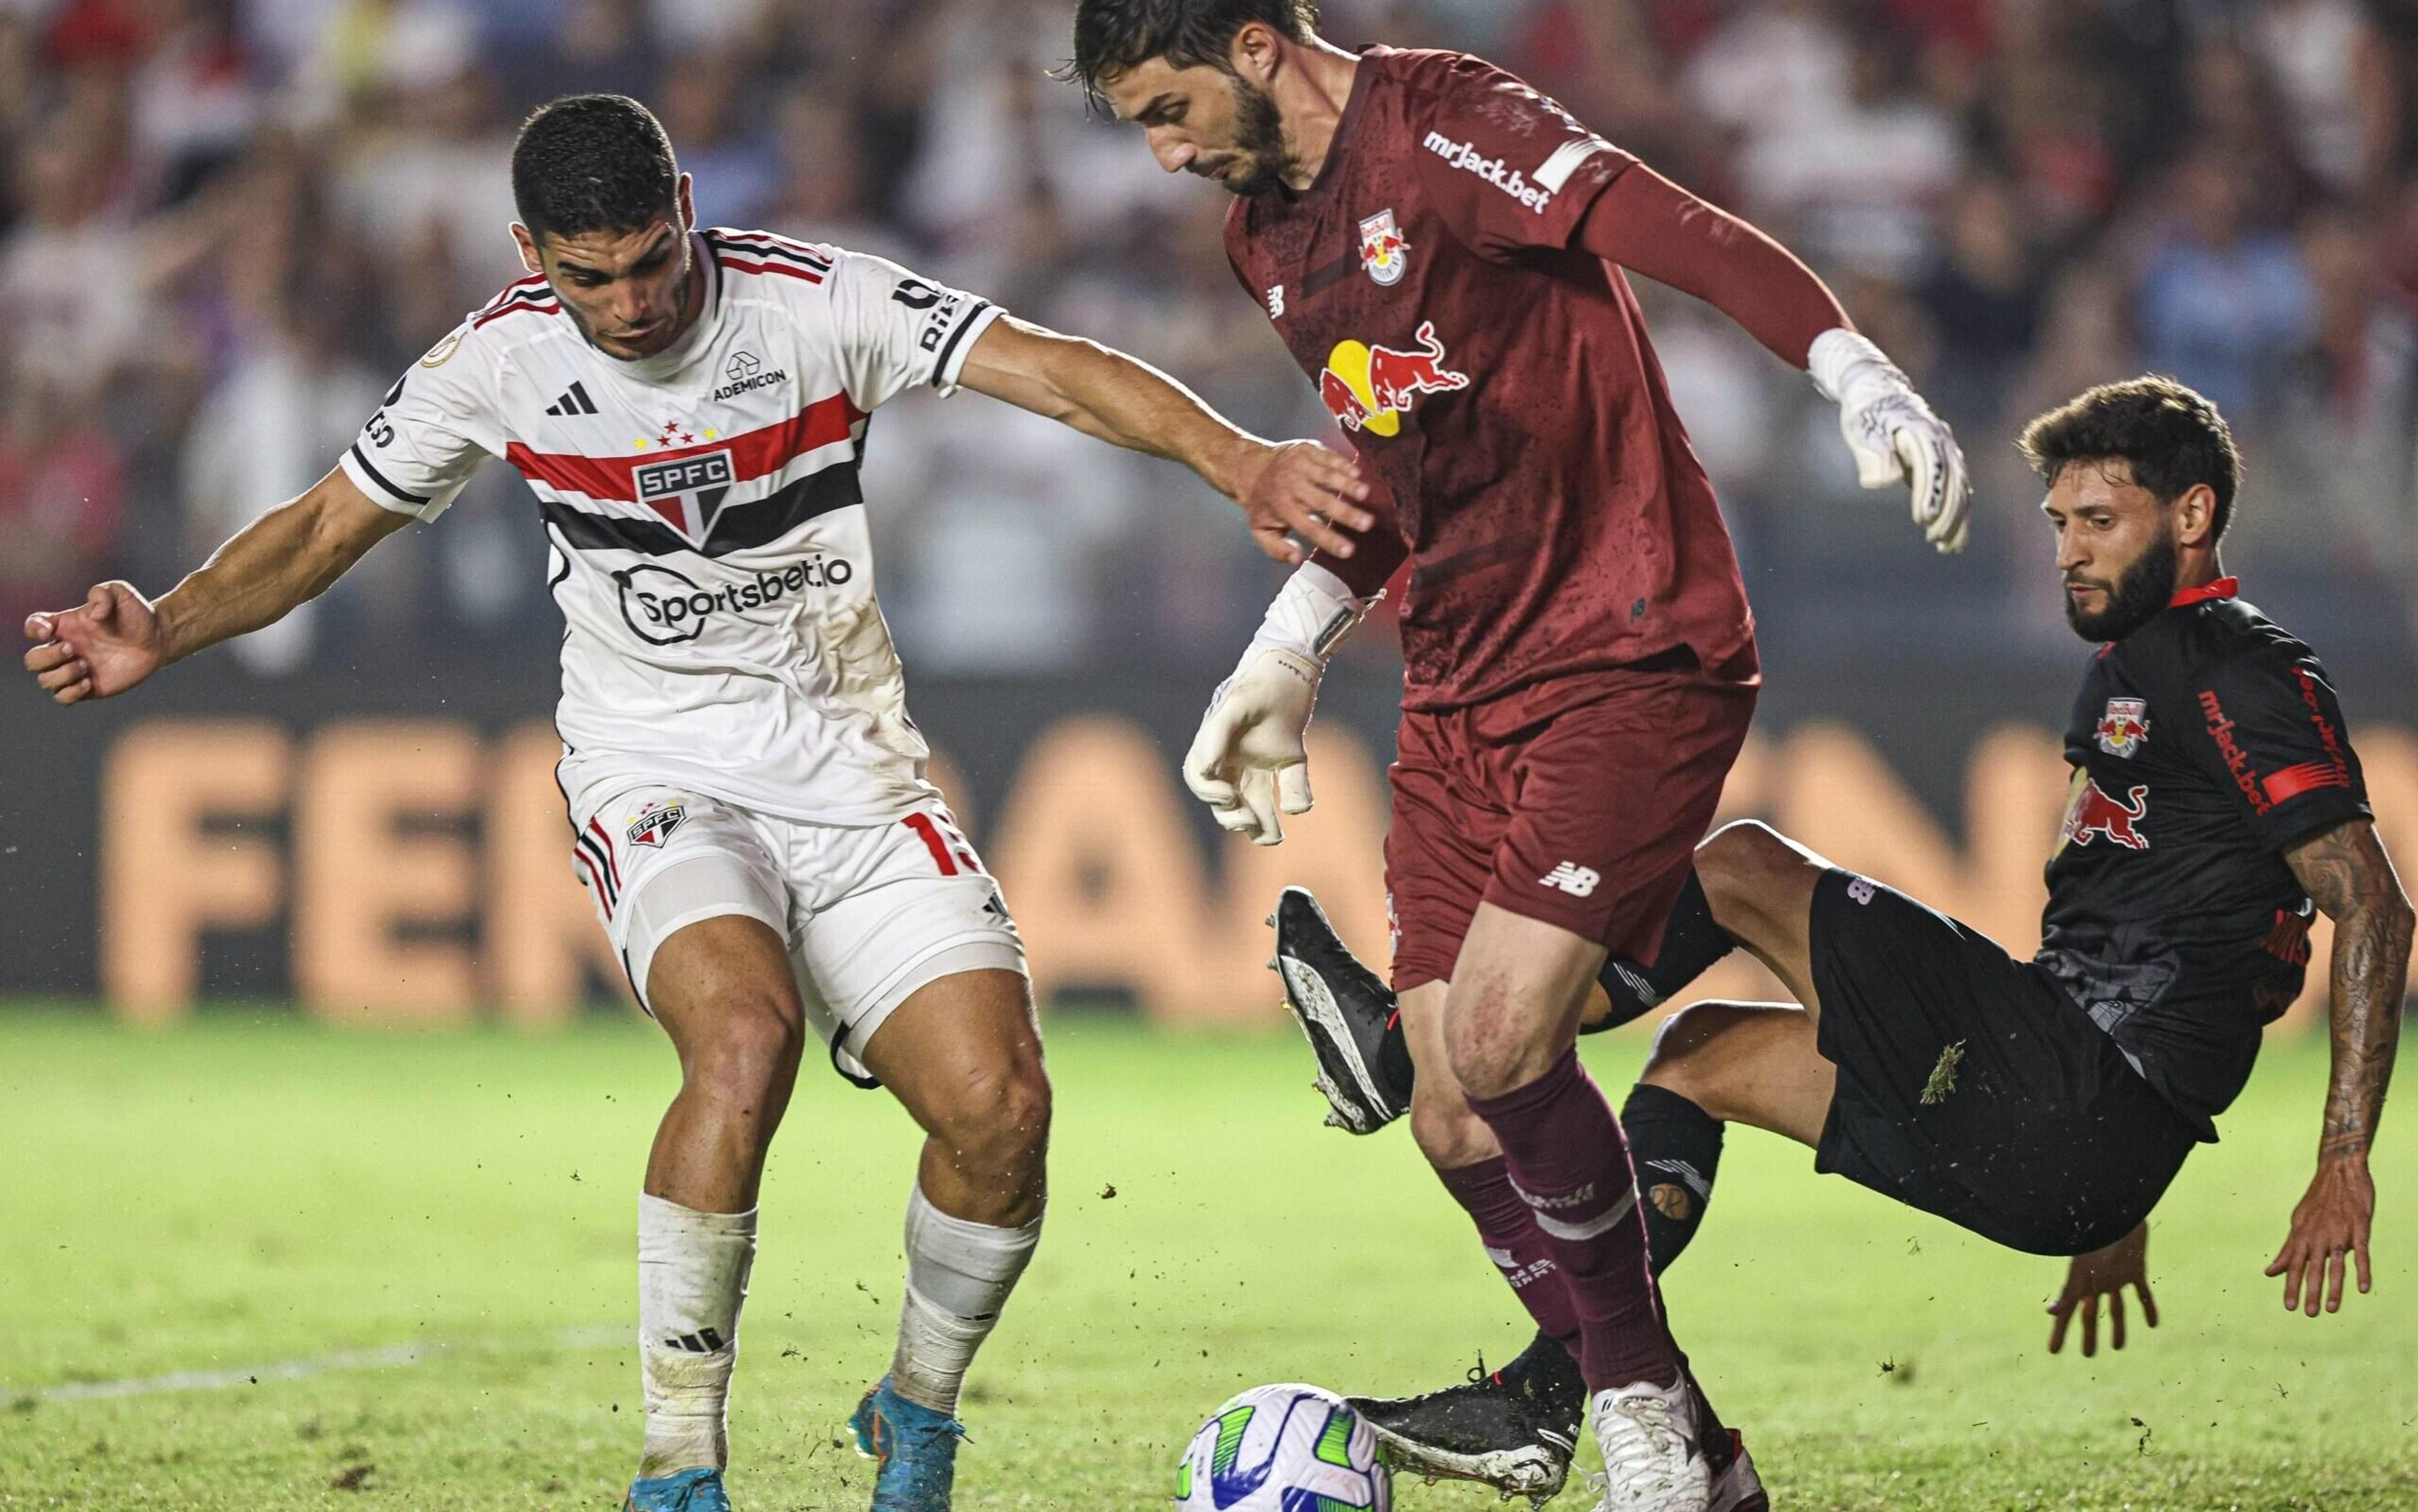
{"x": 1971, "y": 1086}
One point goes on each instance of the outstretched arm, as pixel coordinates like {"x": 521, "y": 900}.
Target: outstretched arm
{"x": 1650, "y": 226}
{"x": 1647, "y": 224}
{"x": 117, "y": 637}
{"x": 1285, "y": 488}
{"x": 2347, "y": 874}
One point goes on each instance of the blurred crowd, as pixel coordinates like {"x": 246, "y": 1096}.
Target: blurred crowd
{"x": 227, "y": 224}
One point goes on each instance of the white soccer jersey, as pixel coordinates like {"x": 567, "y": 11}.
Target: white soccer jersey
{"x": 709, "y": 550}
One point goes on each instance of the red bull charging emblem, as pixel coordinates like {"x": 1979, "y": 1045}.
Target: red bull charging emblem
{"x": 2092, "y": 814}
{"x": 1370, "y": 388}
{"x": 1384, "y": 254}
{"x": 2124, "y": 726}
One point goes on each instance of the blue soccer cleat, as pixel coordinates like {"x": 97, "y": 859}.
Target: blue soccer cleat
{"x": 916, "y": 1446}
{"x": 691, "y": 1491}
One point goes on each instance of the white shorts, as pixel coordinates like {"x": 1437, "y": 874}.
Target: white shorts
{"x": 870, "y": 912}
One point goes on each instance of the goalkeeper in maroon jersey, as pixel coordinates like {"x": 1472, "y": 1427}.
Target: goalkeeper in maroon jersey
{"x": 1443, "y": 248}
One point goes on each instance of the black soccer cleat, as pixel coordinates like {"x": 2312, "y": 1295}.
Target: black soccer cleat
{"x": 1513, "y": 1430}
{"x": 1343, "y": 1008}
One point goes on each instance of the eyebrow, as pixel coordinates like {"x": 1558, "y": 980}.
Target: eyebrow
{"x": 654, "y": 249}
{"x": 1156, "y": 107}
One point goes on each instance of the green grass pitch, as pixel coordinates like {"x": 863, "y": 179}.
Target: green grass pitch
{"x": 422, "y": 1248}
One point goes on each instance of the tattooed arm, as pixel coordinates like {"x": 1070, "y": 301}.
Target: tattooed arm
{"x": 2347, "y": 873}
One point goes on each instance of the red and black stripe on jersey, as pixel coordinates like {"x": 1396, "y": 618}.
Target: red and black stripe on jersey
{"x": 756, "y": 454}
{"x": 760, "y": 252}
{"x": 529, "y": 295}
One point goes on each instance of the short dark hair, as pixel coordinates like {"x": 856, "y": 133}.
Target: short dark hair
{"x": 2172, "y": 437}
{"x": 1112, "y": 36}
{"x": 592, "y": 162}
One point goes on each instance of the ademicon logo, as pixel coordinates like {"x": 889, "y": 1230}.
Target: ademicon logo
{"x": 666, "y": 607}
{"x": 746, "y": 371}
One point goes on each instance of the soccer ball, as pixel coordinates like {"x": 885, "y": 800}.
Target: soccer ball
{"x": 1287, "y": 1448}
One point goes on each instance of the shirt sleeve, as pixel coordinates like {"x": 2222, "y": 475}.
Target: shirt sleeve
{"x": 430, "y": 433}
{"x": 2268, "y": 725}
{"x": 898, "y": 330}
{"x": 1506, "y": 168}
{"x": 1650, "y": 226}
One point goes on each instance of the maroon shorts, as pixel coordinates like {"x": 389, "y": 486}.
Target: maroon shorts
{"x": 1577, "y": 801}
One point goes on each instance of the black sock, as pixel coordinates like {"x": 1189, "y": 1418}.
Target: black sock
{"x": 1677, "y": 1147}
{"x": 1394, "y": 1066}
{"x": 1548, "y": 1374}
{"x": 1691, "y": 942}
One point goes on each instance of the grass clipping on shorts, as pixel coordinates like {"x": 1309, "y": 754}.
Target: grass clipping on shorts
{"x": 1943, "y": 1076}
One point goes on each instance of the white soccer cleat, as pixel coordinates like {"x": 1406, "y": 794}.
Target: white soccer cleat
{"x": 1651, "y": 1460}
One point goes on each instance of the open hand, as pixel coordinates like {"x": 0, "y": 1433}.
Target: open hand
{"x": 2330, "y": 1223}
{"x": 2103, "y": 1272}
{"x": 1300, "y": 488}
{"x": 103, "y": 645}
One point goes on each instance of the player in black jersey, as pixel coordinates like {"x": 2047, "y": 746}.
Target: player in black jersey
{"x": 2216, "y": 803}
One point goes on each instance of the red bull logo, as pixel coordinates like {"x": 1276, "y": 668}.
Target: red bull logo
{"x": 2092, "y": 814}
{"x": 2124, "y": 726}
{"x": 1383, "y": 254}
{"x": 1370, "y": 388}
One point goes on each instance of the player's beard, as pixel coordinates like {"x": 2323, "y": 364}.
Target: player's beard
{"x": 1258, "y": 139}
{"x": 2142, "y": 590}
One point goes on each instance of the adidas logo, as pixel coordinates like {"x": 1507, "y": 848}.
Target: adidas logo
{"x": 574, "y": 401}
{"x": 704, "y": 1341}
{"x": 1577, "y": 880}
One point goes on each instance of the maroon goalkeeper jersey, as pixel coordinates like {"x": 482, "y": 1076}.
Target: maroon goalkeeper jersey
{"x": 1500, "y": 382}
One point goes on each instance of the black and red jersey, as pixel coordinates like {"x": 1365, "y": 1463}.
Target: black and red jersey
{"x": 2205, "y": 745}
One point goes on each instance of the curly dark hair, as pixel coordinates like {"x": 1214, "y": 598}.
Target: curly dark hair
{"x": 592, "y": 162}
{"x": 1112, "y": 36}
{"x": 2172, "y": 437}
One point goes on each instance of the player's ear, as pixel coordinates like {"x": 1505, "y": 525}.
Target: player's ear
{"x": 528, "y": 245}
{"x": 1255, "y": 52}
{"x": 2195, "y": 516}
{"x": 687, "y": 204}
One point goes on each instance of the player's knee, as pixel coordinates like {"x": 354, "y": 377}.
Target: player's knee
{"x": 997, "y": 1118}
{"x": 1489, "y": 1045}
{"x": 750, "y": 1047}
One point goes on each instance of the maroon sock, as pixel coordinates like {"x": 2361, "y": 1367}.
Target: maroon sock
{"x": 1564, "y": 1153}
{"x": 1515, "y": 1246}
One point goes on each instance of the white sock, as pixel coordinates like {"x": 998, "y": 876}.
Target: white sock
{"x": 958, "y": 1275}
{"x": 692, "y": 1278}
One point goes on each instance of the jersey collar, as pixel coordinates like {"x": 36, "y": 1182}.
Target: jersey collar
{"x": 2223, "y": 587}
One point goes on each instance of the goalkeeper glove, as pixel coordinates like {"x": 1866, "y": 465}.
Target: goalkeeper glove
{"x": 1247, "y": 762}
{"x": 1894, "y": 435}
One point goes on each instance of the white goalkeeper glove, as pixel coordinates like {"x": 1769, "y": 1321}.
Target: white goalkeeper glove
{"x": 1247, "y": 762}
{"x": 1894, "y": 435}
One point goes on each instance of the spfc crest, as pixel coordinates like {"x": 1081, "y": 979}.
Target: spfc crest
{"x": 1382, "y": 251}
{"x": 2124, "y": 726}
{"x": 656, "y": 821}
{"x": 687, "y": 492}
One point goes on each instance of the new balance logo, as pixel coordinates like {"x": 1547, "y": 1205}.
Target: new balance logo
{"x": 704, "y": 1341}
{"x": 1577, "y": 880}
{"x": 576, "y": 401}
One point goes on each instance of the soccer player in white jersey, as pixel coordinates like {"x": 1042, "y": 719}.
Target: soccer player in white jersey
{"x": 745, "y": 788}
